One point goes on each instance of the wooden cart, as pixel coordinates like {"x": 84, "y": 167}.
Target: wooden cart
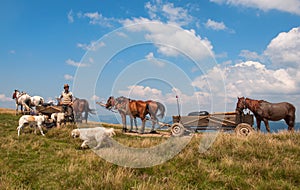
{"x": 50, "y": 109}
{"x": 241, "y": 124}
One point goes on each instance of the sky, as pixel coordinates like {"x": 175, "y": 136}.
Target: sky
{"x": 207, "y": 53}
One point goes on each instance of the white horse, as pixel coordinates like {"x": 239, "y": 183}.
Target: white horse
{"x": 22, "y": 99}
{"x": 36, "y": 101}
{"x": 26, "y": 101}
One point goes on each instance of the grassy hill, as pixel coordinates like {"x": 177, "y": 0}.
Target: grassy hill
{"x": 261, "y": 161}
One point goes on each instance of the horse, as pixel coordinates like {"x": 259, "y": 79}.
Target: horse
{"x": 22, "y": 99}
{"x": 80, "y": 106}
{"x": 136, "y": 108}
{"x": 264, "y": 111}
{"x": 154, "y": 107}
{"x": 25, "y": 100}
{"x": 36, "y": 101}
{"x": 133, "y": 108}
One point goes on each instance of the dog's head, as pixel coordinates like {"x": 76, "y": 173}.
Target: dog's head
{"x": 110, "y": 132}
{"x": 75, "y": 133}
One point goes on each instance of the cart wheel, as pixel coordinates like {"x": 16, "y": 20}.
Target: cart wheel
{"x": 177, "y": 129}
{"x": 244, "y": 129}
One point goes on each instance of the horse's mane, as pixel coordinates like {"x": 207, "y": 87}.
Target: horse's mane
{"x": 253, "y": 104}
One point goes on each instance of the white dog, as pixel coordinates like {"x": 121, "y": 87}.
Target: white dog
{"x": 31, "y": 120}
{"x": 58, "y": 118}
{"x": 90, "y": 135}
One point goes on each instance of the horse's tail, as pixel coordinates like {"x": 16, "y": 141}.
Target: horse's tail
{"x": 162, "y": 110}
{"x": 88, "y": 109}
{"x": 292, "y": 115}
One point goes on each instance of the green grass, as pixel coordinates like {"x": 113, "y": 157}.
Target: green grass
{"x": 261, "y": 161}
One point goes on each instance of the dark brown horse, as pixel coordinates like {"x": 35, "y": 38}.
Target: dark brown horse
{"x": 136, "y": 108}
{"x": 264, "y": 111}
{"x": 80, "y": 106}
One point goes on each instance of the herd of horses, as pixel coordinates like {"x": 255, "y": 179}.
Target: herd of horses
{"x": 27, "y": 102}
{"x": 261, "y": 109}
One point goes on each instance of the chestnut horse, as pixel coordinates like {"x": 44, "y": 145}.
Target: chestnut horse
{"x": 264, "y": 111}
{"x": 136, "y": 108}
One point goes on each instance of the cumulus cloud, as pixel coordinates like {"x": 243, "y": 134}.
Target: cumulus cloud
{"x": 248, "y": 78}
{"x": 4, "y": 98}
{"x": 291, "y": 6}
{"x": 95, "y": 98}
{"x": 214, "y": 25}
{"x": 70, "y": 16}
{"x": 169, "y": 13}
{"x": 92, "y": 46}
{"x": 76, "y": 64}
{"x": 150, "y": 57}
{"x": 284, "y": 49}
{"x": 189, "y": 102}
{"x": 68, "y": 77}
{"x": 171, "y": 40}
{"x": 97, "y": 18}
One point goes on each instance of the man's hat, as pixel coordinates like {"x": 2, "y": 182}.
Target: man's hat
{"x": 66, "y": 85}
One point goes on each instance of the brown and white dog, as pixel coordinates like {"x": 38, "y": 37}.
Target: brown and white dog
{"x": 58, "y": 118}
{"x": 32, "y": 120}
{"x": 90, "y": 135}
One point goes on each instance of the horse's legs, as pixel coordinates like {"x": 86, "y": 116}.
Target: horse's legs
{"x": 131, "y": 123}
{"x": 17, "y": 107}
{"x": 267, "y": 125}
{"x": 124, "y": 122}
{"x": 290, "y": 121}
{"x": 135, "y": 123}
{"x": 143, "y": 125}
{"x": 258, "y": 121}
{"x": 86, "y": 114}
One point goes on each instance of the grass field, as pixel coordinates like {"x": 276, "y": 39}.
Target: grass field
{"x": 261, "y": 161}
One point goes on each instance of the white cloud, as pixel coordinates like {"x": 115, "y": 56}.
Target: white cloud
{"x": 248, "y": 78}
{"x": 4, "y": 98}
{"x": 150, "y": 57}
{"x": 70, "y": 16}
{"x": 291, "y": 6}
{"x": 168, "y": 12}
{"x": 68, "y": 77}
{"x": 93, "y": 46}
{"x": 95, "y": 98}
{"x": 250, "y": 55}
{"x": 76, "y": 64}
{"x": 98, "y": 19}
{"x": 284, "y": 49}
{"x": 172, "y": 40}
{"x": 215, "y": 25}
{"x": 189, "y": 102}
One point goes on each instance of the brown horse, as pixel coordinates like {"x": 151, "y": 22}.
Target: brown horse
{"x": 264, "y": 111}
{"x": 133, "y": 108}
{"x": 80, "y": 106}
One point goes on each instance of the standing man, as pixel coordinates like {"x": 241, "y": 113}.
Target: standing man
{"x": 66, "y": 100}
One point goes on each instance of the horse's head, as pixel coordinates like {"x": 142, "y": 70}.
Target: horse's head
{"x": 241, "y": 104}
{"x": 110, "y": 102}
{"x": 15, "y": 94}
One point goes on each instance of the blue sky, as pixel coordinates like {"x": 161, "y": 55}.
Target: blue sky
{"x": 206, "y": 52}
